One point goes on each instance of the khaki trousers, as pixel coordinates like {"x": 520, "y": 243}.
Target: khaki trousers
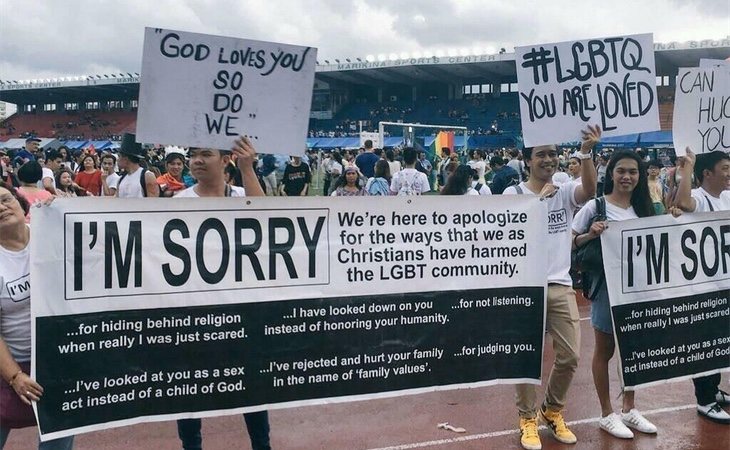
{"x": 563, "y": 324}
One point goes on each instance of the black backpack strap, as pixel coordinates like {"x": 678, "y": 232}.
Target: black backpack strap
{"x": 143, "y": 182}
{"x": 228, "y": 190}
{"x": 478, "y": 187}
{"x": 709, "y": 203}
{"x": 601, "y": 207}
{"x": 519, "y": 189}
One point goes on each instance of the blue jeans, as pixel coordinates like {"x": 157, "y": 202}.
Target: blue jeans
{"x": 65, "y": 443}
{"x": 257, "y": 425}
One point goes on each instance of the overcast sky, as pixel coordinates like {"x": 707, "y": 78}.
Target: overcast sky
{"x": 53, "y": 38}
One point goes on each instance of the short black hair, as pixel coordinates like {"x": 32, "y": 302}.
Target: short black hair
{"x": 368, "y": 143}
{"x": 409, "y": 155}
{"x": 655, "y": 163}
{"x": 496, "y": 161}
{"x": 53, "y": 154}
{"x": 30, "y": 172}
{"x": 708, "y": 161}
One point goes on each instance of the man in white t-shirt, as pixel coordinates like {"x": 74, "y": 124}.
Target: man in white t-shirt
{"x": 207, "y": 166}
{"x": 409, "y": 181}
{"x": 562, "y": 319}
{"x": 712, "y": 171}
{"x": 109, "y": 178}
{"x": 515, "y": 163}
{"x": 53, "y": 164}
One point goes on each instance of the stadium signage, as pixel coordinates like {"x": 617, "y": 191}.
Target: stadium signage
{"x": 202, "y": 90}
{"x": 565, "y": 86}
{"x": 202, "y": 307}
{"x": 416, "y": 62}
{"x": 669, "y": 287}
{"x": 706, "y": 43}
{"x": 701, "y": 119}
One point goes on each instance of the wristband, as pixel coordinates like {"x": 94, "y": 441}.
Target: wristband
{"x": 581, "y": 155}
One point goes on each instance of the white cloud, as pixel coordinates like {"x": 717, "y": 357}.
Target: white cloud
{"x": 45, "y": 38}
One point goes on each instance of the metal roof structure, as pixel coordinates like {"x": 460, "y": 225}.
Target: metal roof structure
{"x": 494, "y": 68}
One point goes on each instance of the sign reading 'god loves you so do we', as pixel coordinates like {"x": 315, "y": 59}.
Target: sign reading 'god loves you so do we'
{"x": 567, "y": 85}
{"x": 203, "y": 91}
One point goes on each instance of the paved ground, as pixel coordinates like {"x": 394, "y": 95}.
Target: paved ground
{"x": 488, "y": 415}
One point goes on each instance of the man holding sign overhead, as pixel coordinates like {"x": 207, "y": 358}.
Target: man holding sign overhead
{"x": 562, "y": 320}
{"x": 207, "y": 166}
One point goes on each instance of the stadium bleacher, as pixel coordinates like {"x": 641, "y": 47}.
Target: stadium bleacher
{"x": 86, "y": 125}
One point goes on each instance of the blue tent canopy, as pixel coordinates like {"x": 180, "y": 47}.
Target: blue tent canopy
{"x": 492, "y": 141}
{"x": 74, "y": 145}
{"x": 656, "y": 138}
{"x": 628, "y": 140}
{"x": 100, "y": 145}
{"x": 393, "y": 141}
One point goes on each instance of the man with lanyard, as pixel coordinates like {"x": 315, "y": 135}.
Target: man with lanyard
{"x": 137, "y": 182}
{"x": 712, "y": 171}
{"x": 562, "y": 321}
{"x": 207, "y": 166}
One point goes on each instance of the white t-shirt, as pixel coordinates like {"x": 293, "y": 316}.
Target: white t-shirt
{"x": 614, "y": 213}
{"x": 484, "y": 190}
{"x": 236, "y": 191}
{"x": 702, "y": 197}
{"x": 518, "y": 165}
{"x": 335, "y": 168}
{"x": 418, "y": 180}
{"x": 47, "y": 173}
{"x": 394, "y": 167}
{"x": 560, "y": 178}
{"x": 112, "y": 181}
{"x": 480, "y": 167}
{"x": 15, "y": 302}
{"x": 130, "y": 186}
{"x": 560, "y": 218}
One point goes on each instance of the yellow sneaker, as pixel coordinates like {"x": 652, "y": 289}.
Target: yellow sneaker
{"x": 556, "y": 424}
{"x": 529, "y": 438}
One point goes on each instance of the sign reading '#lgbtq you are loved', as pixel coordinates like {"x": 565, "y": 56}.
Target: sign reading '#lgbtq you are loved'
{"x": 204, "y": 91}
{"x": 567, "y": 85}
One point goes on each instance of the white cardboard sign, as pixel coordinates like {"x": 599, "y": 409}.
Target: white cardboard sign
{"x": 203, "y": 91}
{"x": 567, "y": 85}
{"x": 375, "y": 137}
{"x": 702, "y": 110}
{"x": 710, "y": 63}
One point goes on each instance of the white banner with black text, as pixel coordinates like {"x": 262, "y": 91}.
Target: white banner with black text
{"x": 158, "y": 309}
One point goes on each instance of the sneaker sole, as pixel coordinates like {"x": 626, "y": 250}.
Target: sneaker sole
{"x": 528, "y": 447}
{"x": 714, "y": 419}
{"x": 545, "y": 422}
{"x": 618, "y": 437}
{"x": 633, "y": 427}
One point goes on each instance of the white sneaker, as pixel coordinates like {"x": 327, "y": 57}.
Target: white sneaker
{"x": 714, "y": 412}
{"x": 634, "y": 419}
{"x": 612, "y": 425}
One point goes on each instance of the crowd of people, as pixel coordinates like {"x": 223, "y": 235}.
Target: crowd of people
{"x": 591, "y": 187}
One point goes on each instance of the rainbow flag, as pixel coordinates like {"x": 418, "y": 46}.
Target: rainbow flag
{"x": 443, "y": 139}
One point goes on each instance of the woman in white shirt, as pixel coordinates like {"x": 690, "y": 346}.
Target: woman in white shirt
{"x": 627, "y": 197}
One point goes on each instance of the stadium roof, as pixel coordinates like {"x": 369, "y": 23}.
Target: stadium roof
{"x": 474, "y": 69}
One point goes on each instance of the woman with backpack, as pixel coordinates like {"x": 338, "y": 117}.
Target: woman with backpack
{"x": 380, "y": 183}
{"x": 348, "y": 185}
{"x": 626, "y": 197}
